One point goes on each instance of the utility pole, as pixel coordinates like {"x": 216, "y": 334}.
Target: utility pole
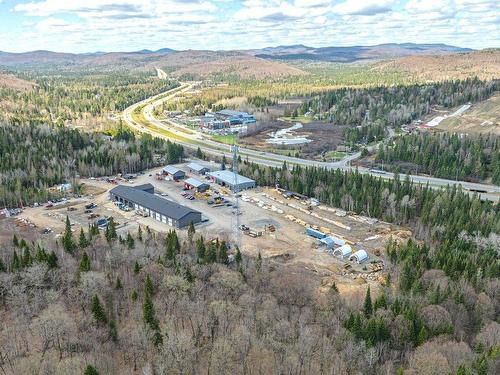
{"x": 235, "y": 218}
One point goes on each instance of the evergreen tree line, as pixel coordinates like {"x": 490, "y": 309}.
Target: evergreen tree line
{"x": 471, "y": 158}
{"x": 392, "y": 106}
{"x": 460, "y": 228}
{"x": 35, "y": 157}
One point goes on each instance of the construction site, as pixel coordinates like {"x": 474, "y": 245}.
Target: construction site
{"x": 282, "y": 225}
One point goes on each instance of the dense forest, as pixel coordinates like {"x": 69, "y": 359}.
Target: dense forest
{"x": 114, "y": 302}
{"x": 71, "y": 96}
{"x": 392, "y": 106}
{"x": 469, "y": 158}
{"x": 35, "y": 157}
{"x": 455, "y": 252}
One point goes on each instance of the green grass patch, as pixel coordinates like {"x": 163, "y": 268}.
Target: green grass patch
{"x": 337, "y": 155}
{"x": 229, "y": 139}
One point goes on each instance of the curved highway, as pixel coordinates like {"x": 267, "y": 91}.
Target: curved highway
{"x": 175, "y": 132}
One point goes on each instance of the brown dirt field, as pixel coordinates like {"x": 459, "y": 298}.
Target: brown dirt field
{"x": 325, "y": 138}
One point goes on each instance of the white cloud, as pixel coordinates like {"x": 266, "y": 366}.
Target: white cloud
{"x": 365, "y": 7}
{"x": 78, "y": 25}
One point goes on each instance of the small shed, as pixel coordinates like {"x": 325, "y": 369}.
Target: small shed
{"x": 343, "y": 251}
{"x": 174, "y": 172}
{"x": 336, "y": 240}
{"x": 315, "y": 233}
{"x": 359, "y": 256}
{"x": 198, "y": 168}
{"x": 328, "y": 242}
{"x": 199, "y": 186}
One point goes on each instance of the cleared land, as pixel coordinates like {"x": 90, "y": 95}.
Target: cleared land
{"x": 261, "y": 207}
{"x": 483, "y": 117}
{"x": 12, "y": 82}
{"x": 324, "y": 139}
{"x": 482, "y": 64}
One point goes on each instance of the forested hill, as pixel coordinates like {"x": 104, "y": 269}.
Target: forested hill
{"x": 382, "y": 106}
{"x": 469, "y": 158}
{"x": 58, "y": 98}
{"x": 35, "y": 157}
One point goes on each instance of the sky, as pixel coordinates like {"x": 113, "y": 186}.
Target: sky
{"x": 129, "y": 25}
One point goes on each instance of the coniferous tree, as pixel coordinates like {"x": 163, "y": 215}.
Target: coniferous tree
{"x": 191, "y": 232}
{"x": 137, "y": 268}
{"x": 367, "y": 306}
{"x": 111, "y": 230}
{"x": 2, "y": 266}
{"x": 90, "y": 370}
{"x": 130, "y": 241}
{"x": 211, "y": 253}
{"x": 149, "y": 318}
{"x": 200, "y": 249}
{"x": 15, "y": 263}
{"x": 148, "y": 286}
{"x": 118, "y": 283}
{"x": 84, "y": 265}
{"x": 26, "y": 258}
{"x": 222, "y": 256}
{"x": 52, "y": 260}
{"x": 67, "y": 239}
{"x": 15, "y": 241}
{"x": 238, "y": 257}
{"x": 139, "y": 233}
{"x": 134, "y": 295}
{"x": 199, "y": 154}
{"x": 83, "y": 241}
{"x": 98, "y": 311}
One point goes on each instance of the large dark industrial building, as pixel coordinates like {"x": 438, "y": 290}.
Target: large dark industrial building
{"x": 143, "y": 199}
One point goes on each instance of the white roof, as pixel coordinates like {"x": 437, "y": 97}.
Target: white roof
{"x": 228, "y": 177}
{"x": 343, "y": 250}
{"x": 196, "y": 167}
{"x": 171, "y": 169}
{"x": 194, "y": 182}
{"x": 360, "y": 256}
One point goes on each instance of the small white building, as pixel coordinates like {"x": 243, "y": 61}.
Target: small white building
{"x": 359, "y": 256}
{"x": 343, "y": 251}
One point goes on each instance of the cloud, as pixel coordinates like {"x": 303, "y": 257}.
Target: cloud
{"x": 365, "y": 8}
{"x": 89, "y": 25}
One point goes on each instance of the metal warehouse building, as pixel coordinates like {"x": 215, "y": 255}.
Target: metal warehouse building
{"x": 227, "y": 178}
{"x": 143, "y": 198}
{"x": 193, "y": 183}
{"x": 198, "y": 168}
{"x": 175, "y": 172}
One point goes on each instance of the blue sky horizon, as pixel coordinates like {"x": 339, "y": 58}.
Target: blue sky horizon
{"x": 85, "y": 26}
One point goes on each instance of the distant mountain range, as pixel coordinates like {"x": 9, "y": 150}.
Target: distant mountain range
{"x": 354, "y": 53}
{"x": 292, "y": 52}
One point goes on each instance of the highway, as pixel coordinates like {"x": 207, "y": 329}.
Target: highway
{"x": 175, "y": 132}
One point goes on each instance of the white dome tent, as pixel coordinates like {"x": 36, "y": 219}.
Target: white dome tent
{"x": 359, "y": 256}
{"x": 343, "y": 251}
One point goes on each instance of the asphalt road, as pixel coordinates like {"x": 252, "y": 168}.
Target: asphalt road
{"x": 191, "y": 139}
